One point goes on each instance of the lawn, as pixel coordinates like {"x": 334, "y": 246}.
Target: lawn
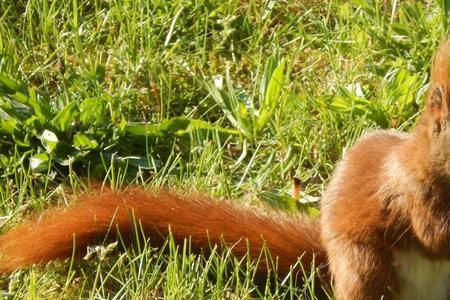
{"x": 233, "y": 99}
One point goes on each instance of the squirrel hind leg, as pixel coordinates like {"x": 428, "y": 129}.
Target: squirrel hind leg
{"x": 361, "y": 272}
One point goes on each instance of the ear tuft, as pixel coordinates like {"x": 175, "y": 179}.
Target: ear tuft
{"x": 437, "y": 106}
{"x": 439, "y": 96}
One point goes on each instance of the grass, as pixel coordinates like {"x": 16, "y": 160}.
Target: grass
{"x": 344, "y": 67}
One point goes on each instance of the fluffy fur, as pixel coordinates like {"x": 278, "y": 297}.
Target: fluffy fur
{"x": 206, "y": 221}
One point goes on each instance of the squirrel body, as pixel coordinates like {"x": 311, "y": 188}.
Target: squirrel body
{"x": 379, "y": 229}
{"x": 384, "y": 227}
{"x": 385, "y": 216}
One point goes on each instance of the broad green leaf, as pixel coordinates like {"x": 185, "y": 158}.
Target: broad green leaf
{"x": 207, "y": 129}
{"x": 22, "y": 98}
{"x": 40, "y": 105}
{"x": 83, "y": 142}
{"x": 16, "y": 110}
{"x": 163, "y": 129}
{"x": 33, "y": 123}
{"x": 92, "y": 111}
{"x": 123, "y": 124}
{"x": 195, "y": 123}
{"x": 40, "y": 162}
{"x": 49, "y": 140}
{"x": 5, "y": 161}
{"x": 9, "y": 85}
{"x": 16, "y": 93}
{"x": 64, "y": 119}
{"x": 341, "y": 104}
{"x": 285, "y": 202}
{"x": 173, "y": 125}
{"x": 8, "y": 125}
{"x": 349, "y": 103}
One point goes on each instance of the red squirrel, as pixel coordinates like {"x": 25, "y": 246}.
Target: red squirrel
{"x": 384, "y": 229}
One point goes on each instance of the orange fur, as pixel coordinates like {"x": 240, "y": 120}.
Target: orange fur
{"x": 204, "y": 220}
{"x": 389, "y": 198}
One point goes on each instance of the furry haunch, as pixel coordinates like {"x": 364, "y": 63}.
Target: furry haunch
{"x": 384, "y": 229}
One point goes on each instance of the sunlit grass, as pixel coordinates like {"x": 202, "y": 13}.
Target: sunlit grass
{"x": 347, "y": 67}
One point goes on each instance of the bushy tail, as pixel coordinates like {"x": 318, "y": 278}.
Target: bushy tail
{"x": 206, "y": 221}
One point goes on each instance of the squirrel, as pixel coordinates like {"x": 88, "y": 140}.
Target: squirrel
{"x": 383, "y": 231}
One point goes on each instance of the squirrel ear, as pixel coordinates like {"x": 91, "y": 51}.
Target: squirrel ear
{"x": 438, "y": 106}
